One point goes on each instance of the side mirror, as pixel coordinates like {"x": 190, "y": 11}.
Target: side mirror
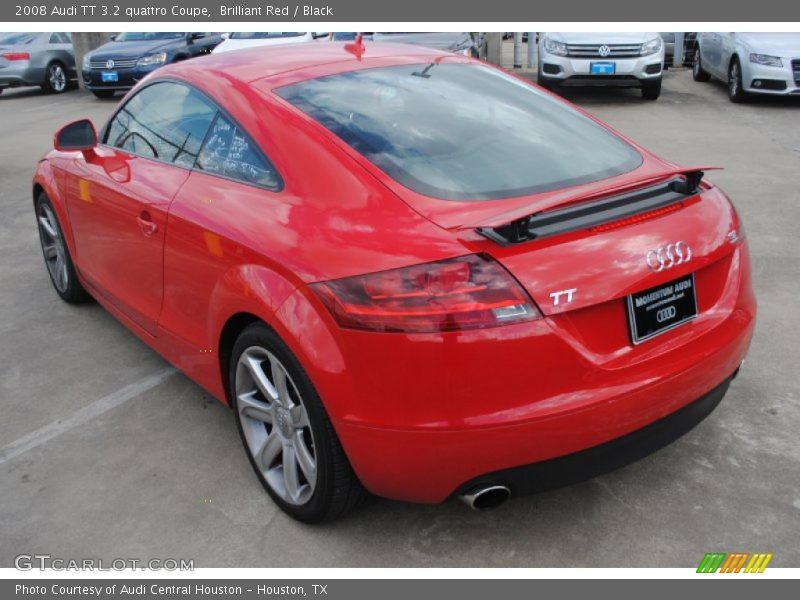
{"x": 195, "y": 36}
{"x": 77, "y": 136}
{"x": 320, "y": 34}
{"x": 113, "y": 37}
{"x": 225, "y": 35}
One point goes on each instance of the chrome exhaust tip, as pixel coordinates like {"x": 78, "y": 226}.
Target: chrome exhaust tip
{"x": 486, "y": 497}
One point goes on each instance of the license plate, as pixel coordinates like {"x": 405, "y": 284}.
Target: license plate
{"x": 603, "y": 68}
{"x": 661, "y": 308}
{"x": 109, "y": 76}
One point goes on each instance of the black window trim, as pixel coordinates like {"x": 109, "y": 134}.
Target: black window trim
{"x": 279, "y": 187}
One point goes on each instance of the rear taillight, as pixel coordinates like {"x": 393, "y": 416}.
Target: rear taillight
{"x": 469, "y": 292}
{"x": 16, "y": 56}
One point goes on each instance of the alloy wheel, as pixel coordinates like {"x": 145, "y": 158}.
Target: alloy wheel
{"x": 52, "y": 241}
{"x": 275, "y": 424}
{"x": 57, "y": 78}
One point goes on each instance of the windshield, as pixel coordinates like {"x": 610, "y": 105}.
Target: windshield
{"x": 251, "y": 35}
{"x": 16, "y": 38}
{"x": 128, "y": 36}
{"x": 462, "y": 132}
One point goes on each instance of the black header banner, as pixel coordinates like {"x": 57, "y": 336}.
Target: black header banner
{"x": 417, "y": 11}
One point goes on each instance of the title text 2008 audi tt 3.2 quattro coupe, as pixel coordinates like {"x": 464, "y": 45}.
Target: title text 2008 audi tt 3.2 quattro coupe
{"x": 409, "y": 273}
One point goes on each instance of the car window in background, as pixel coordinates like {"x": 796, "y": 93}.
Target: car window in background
{"x": 462, "y": 132}
{"x": 251, "y": 35}
{"x": 59, "y": 38}
{"x": 13, "y": 39}
{"x": 166, "y": 121}
{"x": 229, "y": 152}
{"x": 130, "y": 36}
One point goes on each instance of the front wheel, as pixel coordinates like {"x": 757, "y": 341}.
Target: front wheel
{"x": 651, "y": 90}
{"x": 698, "y": 73}
{"x": 56, "y": 254}
{"x": 56, "y": 81}
{"x": 736, "y": 92}
{"x": 287, "y": 434}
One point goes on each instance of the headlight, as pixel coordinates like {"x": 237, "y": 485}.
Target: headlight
{"x": 766, "y": 59}
{"x": 87, "y": 63}
{"x": 153, "y": 59}
{"x": 651, "y": 47}
{"x": 554, "y": 47}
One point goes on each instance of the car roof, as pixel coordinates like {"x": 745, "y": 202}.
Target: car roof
{"x": 255, "y": 64}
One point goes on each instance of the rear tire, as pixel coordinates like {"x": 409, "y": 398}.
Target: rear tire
{"x": 56, "y": 254}
{"x": 103, "y": 94}
{"x": 56, "y": 80}
{"x": 651, "y": 90}
{"x": 287, "y": 435}
{"x": 698, "y": 74}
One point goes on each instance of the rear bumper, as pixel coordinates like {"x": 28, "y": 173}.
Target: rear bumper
{"x": 585, "y": 464}
{"x": 21, "y": 73}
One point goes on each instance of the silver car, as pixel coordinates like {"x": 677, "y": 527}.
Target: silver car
{"x": 40, "y": 59}
{"x": 624, "y": 59}
{"x": 750, "y": 63}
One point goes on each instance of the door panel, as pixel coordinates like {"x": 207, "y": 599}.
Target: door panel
{"x": 118, "y": 205}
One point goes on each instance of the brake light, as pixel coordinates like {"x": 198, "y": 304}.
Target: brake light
{"x": 469, "y": 292}
{"x": 17, "y": 56}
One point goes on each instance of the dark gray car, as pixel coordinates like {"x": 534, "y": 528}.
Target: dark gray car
{"x": 40, "y": 59}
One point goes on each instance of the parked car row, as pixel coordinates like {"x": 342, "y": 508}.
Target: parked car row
{"x": 750, "y": 63}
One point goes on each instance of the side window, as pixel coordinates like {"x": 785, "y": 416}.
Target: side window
{"x": 166, "y": 121}
{"x": 59, "y": 38}
{"x": 229, "y": 152}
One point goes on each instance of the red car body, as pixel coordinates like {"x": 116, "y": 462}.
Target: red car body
{"x": 186, "y": 259}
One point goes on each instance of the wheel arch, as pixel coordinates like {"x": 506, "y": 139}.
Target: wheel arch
{"x": 231, "y": 330}
{"x": 45, "y": 182}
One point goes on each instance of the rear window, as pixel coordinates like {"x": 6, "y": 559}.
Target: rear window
{"x": 12, "y": 39}
{"x": 462, "y": 132}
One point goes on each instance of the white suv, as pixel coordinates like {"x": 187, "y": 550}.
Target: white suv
{"x": 608, "y": 59}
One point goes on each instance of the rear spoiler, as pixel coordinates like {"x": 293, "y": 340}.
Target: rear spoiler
{"x": 583, "y": 213}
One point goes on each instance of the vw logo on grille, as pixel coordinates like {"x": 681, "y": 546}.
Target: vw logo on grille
{"x": 666, "y": 257}
{"x": 109, "y": 64}
{"x": 604, "y": 50}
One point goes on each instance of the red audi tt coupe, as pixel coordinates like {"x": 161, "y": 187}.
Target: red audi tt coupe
{"x": 409, "y": 273}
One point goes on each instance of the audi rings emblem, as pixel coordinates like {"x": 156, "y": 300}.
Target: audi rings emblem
{"x": 604, "y": 50}
{"x": 666, "y": 257}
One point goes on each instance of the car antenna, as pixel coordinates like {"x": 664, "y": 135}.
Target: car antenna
{"x": 357, "y": 48}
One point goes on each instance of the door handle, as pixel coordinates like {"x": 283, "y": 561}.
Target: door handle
{"x": 146, "y": 224}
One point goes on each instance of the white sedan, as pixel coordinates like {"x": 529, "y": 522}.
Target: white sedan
{"x": 248, "y": 39}
{"x": 750, "y": 63}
